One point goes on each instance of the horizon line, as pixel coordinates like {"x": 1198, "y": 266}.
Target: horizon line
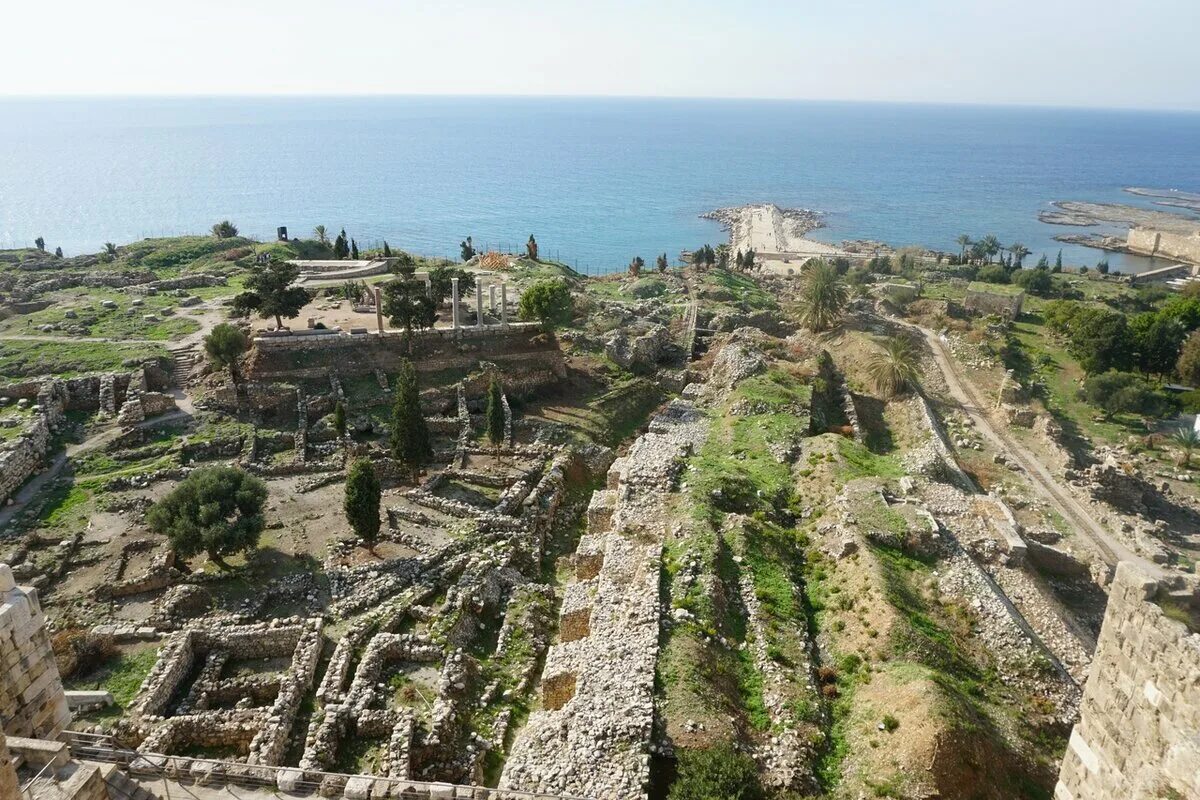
{"x": 64, "y": 96}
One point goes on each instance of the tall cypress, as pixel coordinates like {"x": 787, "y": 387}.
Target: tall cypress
{"x": 495, "y": 413}
{"x": 362, "y": 500}
{"x": 410, "y": 435}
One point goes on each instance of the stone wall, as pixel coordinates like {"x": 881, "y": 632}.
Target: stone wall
{"x": 1163, "y": 244}
{"x": 1138, "y": 736}
{"x": 23, "y": 457}
{"x": 32, "y": 703}
{"x": 8, "y": 773}
{"x": 1002, "y": 304}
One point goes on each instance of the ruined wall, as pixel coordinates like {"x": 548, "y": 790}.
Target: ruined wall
{"x": 1162, "y": 243}
{"x": 1138, "y": 736}
{"x": 23, "y": 457}
{"x": 985, "y": 302}
{"x": 8, "y": 772}
{"x": 32, "y": 703}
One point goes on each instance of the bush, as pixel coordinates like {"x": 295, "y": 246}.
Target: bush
{"x": 1123, "y": 392}
{"x": 78, "y": 651}
{"x": 890, "y": 723}
{"x": 718, "y": 773}
{"x": 993, "y": 274}
{"x": 548, "y": 301}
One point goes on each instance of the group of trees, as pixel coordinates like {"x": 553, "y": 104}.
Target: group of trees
{"x": 987, "y": 248}
{"x": 40, "y": 244}
{"x": 224, "y": 230}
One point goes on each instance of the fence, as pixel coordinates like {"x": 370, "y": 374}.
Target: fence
{"x": 184, "y": 772}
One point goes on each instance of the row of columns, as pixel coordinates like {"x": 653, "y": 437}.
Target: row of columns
{"x": 454, "y": 298}
{"x": 479, "y": 303}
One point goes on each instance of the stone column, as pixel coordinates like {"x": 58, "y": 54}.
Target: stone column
{"x": 504, "y": 304}
{"x": 454, "y": 302}
{"x": 379, "y": 309}
{"x": 478, "y": 305}
{"x": 492, "y": 298}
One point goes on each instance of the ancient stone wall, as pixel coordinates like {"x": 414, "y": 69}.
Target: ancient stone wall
{"x": 23, "y": 457}
{"x": 1001, "y": 304}
{"x": 8, "y": 773}
{"x": 1138, "y": 736}
{"x": 32, "y": 703}
{"x": 1164, "y": 244}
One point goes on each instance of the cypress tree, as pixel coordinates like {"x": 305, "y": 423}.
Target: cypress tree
{"x": 410, "y": 435}
{"x": 354, "y": 250}
{"x": 495, "y": 413}
{"x": 1058, "y": 262}
{"x": 362, "y": 500}
{"x": 339, "y": 419}
{"x": 387, "y": 251}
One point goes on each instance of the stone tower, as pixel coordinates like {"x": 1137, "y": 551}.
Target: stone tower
{"x": 32, "y": 703}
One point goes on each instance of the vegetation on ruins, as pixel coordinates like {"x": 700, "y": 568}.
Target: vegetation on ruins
{"x": 823, "y": 296}
{"x": 214, "y": 510}
{"x": 339, "y": 418}
{"x": 440, "y": 285}
{"x": 636, "y": 265}
{"x": 406, "y": 303}
{"x": 495, "y": 412}
{"x": 1187, "y": 439}
{"x": 269, "y": 292}
{"x": 895, "y": 369}
{"x": 661, "y": 263}
{"x": 547, "y": 301}
{"x": 224, "y": 229}
{"x": 716, "y": 773}
{"x": 362, "y": 500}
{"x": 224, "y": 346}
{"x": 410, "y": 435}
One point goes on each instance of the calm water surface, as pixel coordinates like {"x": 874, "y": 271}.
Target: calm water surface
{"x": 597, "y": 180}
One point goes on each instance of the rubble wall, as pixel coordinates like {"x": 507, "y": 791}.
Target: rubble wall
{"x": 1138, "y": 735}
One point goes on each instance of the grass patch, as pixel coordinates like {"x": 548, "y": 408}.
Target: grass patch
{"x": 859, "y": 462}
{"x": 71, "y": 358}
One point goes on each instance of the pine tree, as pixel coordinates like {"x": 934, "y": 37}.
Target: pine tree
{"x": 354, "y": 250}
{"x": 495, "y": 413}
{"x": 362, "y": 500}
{"x": 387, "y": 251}
{"x": 410, "y": 435}
{"x": 1058, "y": 262}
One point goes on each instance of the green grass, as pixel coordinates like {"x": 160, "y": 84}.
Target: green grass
{"x": 66, "y": 505}
{"x": 859, "y": 462}
{"x": 122, "y": 677}
{"x": 744, "y": 288}
{"x": 68, "y": 359}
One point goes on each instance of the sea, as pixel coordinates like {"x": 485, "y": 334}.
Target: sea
{"x": 596, "y": 180}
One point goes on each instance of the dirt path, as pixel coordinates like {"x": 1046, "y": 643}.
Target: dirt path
{"x": 1043, "y": 481}
{"x": 35, "y": 484}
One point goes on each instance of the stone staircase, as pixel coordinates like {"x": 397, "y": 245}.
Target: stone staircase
{"x": 122, "y": 787}
{"x": 183, "y": 360}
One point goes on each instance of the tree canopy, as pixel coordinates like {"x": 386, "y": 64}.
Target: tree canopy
{"x": 823, "y": 296}
{"x": 410, "y": 434}
{"x": 1123, "y": 393}
{"x": 224, "y": 345}
{"x": 269, "y": 292}
{"x": 224, "y": 230}
{"x": 547, "y": 301}
{"x": 406, "y": 304}
{"x": 214, "y": 510}
{"x": 362, "y": 500}
{"x": 440, "y": 282}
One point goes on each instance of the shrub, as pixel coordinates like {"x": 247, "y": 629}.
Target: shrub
{"x": 890, "y": 723}
{"x": 718, "y": 773}
{"x": 78, "y": 651}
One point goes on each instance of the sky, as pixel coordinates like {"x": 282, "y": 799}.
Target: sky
{"x": 1099, "y": 53}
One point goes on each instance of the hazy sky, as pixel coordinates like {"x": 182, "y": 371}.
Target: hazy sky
{"x": 1059, "y": 52}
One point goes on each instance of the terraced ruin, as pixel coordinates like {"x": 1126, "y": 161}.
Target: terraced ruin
{"x": 703, "y": 545}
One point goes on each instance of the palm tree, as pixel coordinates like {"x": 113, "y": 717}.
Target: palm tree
{"x": 991, "y": 246}
{"x": 110, "y": 249}
{"x": 823, "y": 296}
{"x": 894, "y": 370}
{"x": 964, "y": 242}
{"x": 1186, "y": 439}
{"x": 321, "y": 234}
{"x": 1019, "y": 251}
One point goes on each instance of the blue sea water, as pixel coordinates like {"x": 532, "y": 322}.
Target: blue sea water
{"x": 597, "y": 180}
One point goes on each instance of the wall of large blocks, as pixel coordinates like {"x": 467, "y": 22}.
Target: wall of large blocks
{"x": 32, "y": 703}
{"x": 1138, "y": 736}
